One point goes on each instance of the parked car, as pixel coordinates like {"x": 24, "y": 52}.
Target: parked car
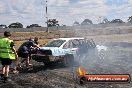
{"x": 65, "y": 50}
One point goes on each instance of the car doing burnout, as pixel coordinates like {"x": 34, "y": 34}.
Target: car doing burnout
{"x": 64, "y": 50}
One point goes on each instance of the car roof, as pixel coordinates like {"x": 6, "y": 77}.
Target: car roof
{"x": 67, "y": 39}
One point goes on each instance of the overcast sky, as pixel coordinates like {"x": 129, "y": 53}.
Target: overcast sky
{"x": 65, "y": 11}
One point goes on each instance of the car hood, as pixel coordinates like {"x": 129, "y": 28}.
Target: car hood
{"x": 57, "y": 51}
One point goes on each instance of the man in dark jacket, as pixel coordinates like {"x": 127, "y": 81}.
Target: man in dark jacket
{"x": 24, "y": 50}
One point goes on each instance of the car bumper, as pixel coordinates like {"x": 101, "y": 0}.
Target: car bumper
{"x": 43, "y": 58}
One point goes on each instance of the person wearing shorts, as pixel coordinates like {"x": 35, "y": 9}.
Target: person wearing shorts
{"x": 7, "y": 54}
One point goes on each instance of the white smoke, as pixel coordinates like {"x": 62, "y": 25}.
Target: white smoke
{"x": 101, "y": 47}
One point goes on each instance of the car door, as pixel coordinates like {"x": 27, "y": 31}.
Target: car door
{"x": 74, "y": 44}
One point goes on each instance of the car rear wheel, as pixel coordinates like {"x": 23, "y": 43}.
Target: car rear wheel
{"x": 68, "y": 60}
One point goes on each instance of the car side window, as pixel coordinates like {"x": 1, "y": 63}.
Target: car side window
{"x": 75, "y": 43}
{"x": 67, "y": 45}
{"x": 70, "y": 43}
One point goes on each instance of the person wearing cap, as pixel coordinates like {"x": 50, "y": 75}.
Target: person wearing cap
{"x": 24, "y": 51}
{"x": 7, "y": 54}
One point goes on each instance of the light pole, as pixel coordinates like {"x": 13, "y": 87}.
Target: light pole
{"x": 47, "y": 30}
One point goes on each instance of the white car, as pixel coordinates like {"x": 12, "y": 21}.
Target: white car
{"x": 61, "y": 49}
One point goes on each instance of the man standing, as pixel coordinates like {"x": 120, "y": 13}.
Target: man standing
{"x": 24, "y": 50}
{"x": 7, "y": 54}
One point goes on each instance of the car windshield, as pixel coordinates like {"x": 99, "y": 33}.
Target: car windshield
{"x": 55, "y": 43}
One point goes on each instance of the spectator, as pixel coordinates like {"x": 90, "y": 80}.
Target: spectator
{"x": 7, "y": 54}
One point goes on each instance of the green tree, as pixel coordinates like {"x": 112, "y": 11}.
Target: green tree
{"x": 105, "y": 20}
{"x": 15, "y": 25}
{"x": 86, "y": 22}
{"x": 33, "y": 25}
{"x": 117, "y": 21}
{"x": 130, "y": 19}
{"x": 52, "y": 22}
{"x": 3, "y": 26}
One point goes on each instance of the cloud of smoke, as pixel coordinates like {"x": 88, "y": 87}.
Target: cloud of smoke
{"x": 106, "y": 57}
{"x": 113, "y": 60}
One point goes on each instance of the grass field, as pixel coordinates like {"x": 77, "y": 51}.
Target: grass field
{"x": 44, "y": 37}
{"x": 112, "y": 38}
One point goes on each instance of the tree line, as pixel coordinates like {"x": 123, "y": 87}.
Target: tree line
{"x": 18, "y": 25}
{"x": 54, "y": 22}
{"x": 50, "y": 23}
{"x": 104, "y": 21}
